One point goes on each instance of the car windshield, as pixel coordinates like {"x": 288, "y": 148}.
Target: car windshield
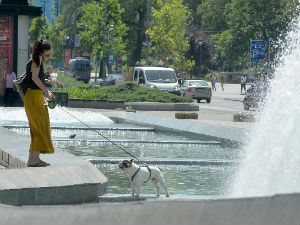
{"x": 161, "y": 76}
{"x": 198, "y": 83}
{"x": 114, "y": 77}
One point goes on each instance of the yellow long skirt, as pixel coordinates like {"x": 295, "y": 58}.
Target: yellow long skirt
{"x": 39, "y": 122}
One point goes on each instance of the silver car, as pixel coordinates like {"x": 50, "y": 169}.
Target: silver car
{"x": 196, "y": 89}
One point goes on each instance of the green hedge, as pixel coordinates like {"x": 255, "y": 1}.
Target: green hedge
{"x": 128, "y": 92}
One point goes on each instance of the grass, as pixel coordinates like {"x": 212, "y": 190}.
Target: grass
{"x": 128, "y": 92}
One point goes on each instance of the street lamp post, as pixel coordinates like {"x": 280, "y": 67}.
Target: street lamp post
{"x": 102, "y": 62}
{"x": 111, "y": 30}
{"x": 75, "y": 30}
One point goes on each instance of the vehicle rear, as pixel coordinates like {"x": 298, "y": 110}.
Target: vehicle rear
{"x": 196, "y": 89}
{"x": 113, "y": 79}
{"x": 80, "y": 69}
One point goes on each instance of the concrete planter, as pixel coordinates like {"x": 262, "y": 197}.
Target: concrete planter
{"x": 181, "y": 115}
{"x": 147, "y": 106}
{"x": 242, "y": 117}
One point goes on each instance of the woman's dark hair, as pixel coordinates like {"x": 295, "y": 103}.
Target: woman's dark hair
{"x": 39, "y": 47}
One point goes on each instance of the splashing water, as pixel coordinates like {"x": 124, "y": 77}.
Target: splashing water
{"x": 272, "y": 161}
{"x": 56, "y": 115}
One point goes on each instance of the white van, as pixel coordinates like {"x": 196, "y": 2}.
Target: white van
{"x": 164, "y": 79}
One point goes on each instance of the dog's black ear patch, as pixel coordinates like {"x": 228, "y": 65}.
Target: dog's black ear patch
{"x": 126, "y": 163}
{"x": 131, "y": 161}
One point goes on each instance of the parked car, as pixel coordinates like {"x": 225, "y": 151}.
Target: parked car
{"x": 196, "y": 89}
{"x": 113, "y": 79}
{"x": 164, "y": 79}
{"x": 255, "y": 95}
{"x": 79, "y": 68}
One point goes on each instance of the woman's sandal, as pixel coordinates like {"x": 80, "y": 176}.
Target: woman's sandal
{"x": 39, "y": 164}
{"x": 47, "y": 164}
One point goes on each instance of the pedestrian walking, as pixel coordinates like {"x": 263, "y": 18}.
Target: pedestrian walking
{"x": 243, "y": 83}
{"x": 213, "y": 82}
{"x": 10, "y": 87}
{"x": 223, "y": 81}
{"x": 35, "y": 107}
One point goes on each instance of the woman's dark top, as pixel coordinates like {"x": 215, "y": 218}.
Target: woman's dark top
{"x": 29, "y": 82}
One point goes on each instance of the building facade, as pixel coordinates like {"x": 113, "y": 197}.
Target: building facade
{"x": 14, "y": 27}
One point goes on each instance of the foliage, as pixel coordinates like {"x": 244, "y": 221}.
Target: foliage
{"x": 128, "y": 92}
{"x": 211, "y": 15}
{"x": 201, "y": 50}
{"x": 168, "y": 33}
{"x": 91, "y": 24}
{"x": 251, "y": 20}
{"x": 56, "y": 35}
{"x": 176, "y": 27}
{"x": 70, "y": 14}
{"x": 192, "y": 5}
{"x": 38, "y": 28}
{"x": 134, "y": 17}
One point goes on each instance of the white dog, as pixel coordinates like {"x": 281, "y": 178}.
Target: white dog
{"x": 141, "y": 174}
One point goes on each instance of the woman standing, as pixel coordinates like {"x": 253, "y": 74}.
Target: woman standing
{"x": 213, "y": 82}
{"x": 34, "y": 103}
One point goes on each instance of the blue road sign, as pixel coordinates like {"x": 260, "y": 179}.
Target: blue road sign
{"x": 257, "y": 54}
{"x": 111, "y": 59}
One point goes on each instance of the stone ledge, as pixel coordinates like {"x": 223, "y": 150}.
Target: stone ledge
{"x": 68, "y": 180}
{"x": 147, "y": 106}
{"x": 268, "y": 210}
{"x": 9, "y": 161}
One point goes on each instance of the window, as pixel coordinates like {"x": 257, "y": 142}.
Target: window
{"x": 161, "y": 76}
{"x": 184, "y": 84}
{"x": 135, "y": 76}
{"x": 198, "y": 83}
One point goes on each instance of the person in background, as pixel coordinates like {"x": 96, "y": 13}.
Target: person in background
{"x": 223, "y": 81}
{"x": 213, "y": 82}
{"x": 243, "y": 83}
{"x": 10, "y": 87}
{"x": 51, "y": 80}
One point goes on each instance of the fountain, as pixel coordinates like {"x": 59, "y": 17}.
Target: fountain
{"x": 271, "y": 163}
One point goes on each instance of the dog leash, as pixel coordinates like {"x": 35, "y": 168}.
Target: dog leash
{"x": 98, "y": 132}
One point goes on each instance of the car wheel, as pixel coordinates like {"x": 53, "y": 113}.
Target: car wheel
{"x": 208, "y": 100}
{"x": 198, "y": 100}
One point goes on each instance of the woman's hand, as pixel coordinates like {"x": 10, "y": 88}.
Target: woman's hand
{"x": 49, "y": 95}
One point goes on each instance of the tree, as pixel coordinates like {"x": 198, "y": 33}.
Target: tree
{"x": 56, "y": 35}
{"x": 251, "y": 20}
{"x": 211, "y": 15}
{"x": 91, "y": 24}
{"x": 168, "y": 33}
{"x": 201, "y": 50}
{"x": 38, "y": 28}
{"x": 192, "y": 5}
{"x": 134, "y": 17}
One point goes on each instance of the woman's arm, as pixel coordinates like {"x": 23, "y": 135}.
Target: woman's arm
{"x": 35, "y": 77}
{"x": 59, "y": 83}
